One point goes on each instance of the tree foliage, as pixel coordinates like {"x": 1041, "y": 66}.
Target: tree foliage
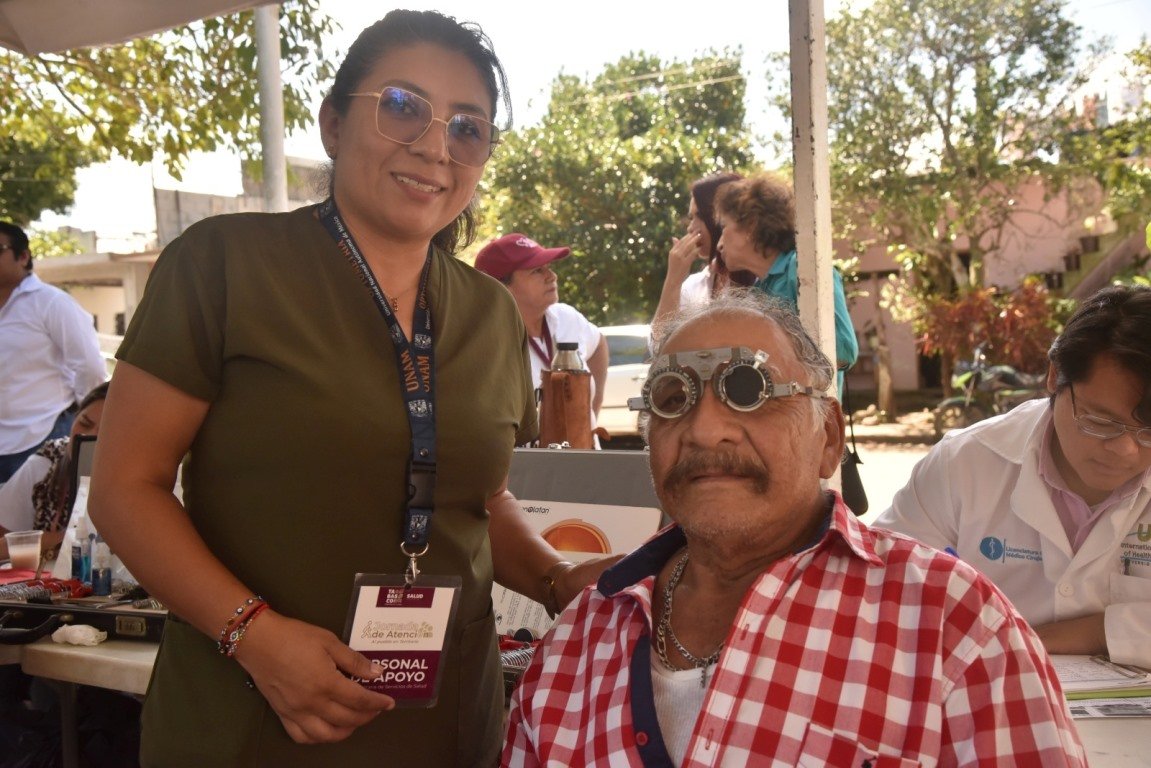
{"x": 941, "y": 110}
{"x": 1118, "y": 152}
{"x": 607, "y": 172}
{"x": 53, "y": 244}
{"x": 192, "y": 88}
{"x": 39, "y": 174}
{"x": 1018, "y": 326}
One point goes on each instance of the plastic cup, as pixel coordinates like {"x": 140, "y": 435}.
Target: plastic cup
{"x": 24, "y": 549}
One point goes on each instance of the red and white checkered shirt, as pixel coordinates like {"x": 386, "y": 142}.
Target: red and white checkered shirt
{"x": 867, "y": 649}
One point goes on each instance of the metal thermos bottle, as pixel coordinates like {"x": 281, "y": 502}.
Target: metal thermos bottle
{"x": 568, "y": 358}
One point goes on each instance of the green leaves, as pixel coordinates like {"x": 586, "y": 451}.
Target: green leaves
{"x": 192, "y": 88}
{"x": 38, "y": 173}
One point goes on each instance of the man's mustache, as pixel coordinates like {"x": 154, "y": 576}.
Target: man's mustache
{"x": 696, "y": 464}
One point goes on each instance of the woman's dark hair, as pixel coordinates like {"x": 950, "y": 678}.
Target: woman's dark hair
{"x": 99, "y": 392}
{"x": 19, "y": 241}
{"x": 1115, "y": 321}
{"x": 764, "y": 206}
{"x": 703, "y": 192}
{"x": 62, "y": 481}
{"x": 401, "y": 28}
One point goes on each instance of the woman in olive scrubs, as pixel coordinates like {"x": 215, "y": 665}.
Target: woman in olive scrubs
{"x": 261, "y": 353}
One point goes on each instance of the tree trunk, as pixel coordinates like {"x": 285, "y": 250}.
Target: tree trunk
{"x": 884, "y": 381}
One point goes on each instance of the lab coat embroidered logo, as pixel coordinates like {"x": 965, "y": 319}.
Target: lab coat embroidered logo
{"x": 992, "y": 548}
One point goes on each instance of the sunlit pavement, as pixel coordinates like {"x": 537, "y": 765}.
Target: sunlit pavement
{"x": 885, "y": 469}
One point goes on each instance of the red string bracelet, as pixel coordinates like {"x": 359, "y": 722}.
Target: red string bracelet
{"x": 237, "y": 634}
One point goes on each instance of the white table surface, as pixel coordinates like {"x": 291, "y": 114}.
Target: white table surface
{"x": 121, "y": 665}
{"x": 1118, "y": 742}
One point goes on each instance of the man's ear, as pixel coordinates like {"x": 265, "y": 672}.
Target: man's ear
{"x": 833, "y": 430}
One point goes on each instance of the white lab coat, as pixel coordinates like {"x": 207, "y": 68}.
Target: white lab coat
{"x": 979, "y": 493}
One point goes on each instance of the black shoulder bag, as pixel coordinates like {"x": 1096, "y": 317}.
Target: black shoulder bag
{"x": 854, "y": 494}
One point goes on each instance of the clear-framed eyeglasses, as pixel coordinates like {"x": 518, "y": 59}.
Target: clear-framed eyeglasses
{"x": 404, "y": 117}
{"x": 739, "y": 376}
{"x": 1106, "y": 429}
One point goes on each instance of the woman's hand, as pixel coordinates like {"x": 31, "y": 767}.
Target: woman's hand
{"x": 301, "y": 670}
{"x": 572, "y": 581}
{"x": 684, "y": 253}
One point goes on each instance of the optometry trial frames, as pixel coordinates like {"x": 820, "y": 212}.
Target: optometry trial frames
{"x": 1106, "y": 429}
{"x": 404, "y": 117}
{"x": 739, "y": 376}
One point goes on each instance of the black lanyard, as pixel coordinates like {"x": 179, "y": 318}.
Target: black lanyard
{"x": 415, "y": 363}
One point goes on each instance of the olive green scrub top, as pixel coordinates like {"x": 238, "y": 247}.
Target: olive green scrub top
{"x": 296, "y": 479}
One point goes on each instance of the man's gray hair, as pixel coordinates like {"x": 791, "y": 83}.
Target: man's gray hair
{"x": 735, "y": 302}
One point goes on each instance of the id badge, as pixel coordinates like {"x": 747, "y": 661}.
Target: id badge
{"x": 404, "y": 631}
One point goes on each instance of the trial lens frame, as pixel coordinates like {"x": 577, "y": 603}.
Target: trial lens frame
{"x": 704, "y": 364}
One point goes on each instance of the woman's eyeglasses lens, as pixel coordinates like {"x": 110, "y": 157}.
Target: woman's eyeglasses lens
{"x": 405, "y": 117}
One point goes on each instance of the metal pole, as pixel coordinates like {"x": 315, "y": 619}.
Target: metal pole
{"x": 812, "y": 177}
{"x": 812, "y": 171}
{"x": 271, "y": 107}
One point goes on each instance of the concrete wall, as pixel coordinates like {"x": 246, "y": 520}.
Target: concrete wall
{"x": 103, "y": 302}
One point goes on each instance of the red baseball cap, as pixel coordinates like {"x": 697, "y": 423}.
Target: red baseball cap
{"x": 505, "y": 255}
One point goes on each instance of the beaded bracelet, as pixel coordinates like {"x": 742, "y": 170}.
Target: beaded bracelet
{"x": 241, "y": 615}
{"x": 237, "y": 634}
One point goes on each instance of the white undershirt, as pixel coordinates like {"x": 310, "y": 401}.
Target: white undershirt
{"x": 678, "y": 702}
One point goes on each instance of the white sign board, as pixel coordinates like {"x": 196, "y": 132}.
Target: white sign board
{"x": 586, "y": 504}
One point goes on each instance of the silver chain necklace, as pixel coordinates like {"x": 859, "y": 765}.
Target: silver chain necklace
{"x": 664, "y": 630}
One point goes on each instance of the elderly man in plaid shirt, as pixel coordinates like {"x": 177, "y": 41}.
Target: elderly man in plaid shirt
{"x": 769, "y": 626}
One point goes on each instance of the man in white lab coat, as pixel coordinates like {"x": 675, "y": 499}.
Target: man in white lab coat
{"x": 1052, "y": 500}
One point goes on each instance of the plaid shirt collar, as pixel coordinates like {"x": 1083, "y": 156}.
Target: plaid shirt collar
{"x": 646, "y": 561}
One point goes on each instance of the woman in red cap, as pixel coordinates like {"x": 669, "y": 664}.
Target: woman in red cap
{"x": 524, "y": 266}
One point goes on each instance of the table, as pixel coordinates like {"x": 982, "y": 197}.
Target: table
{"x": 119, "y": 665}
{"x": 1117, "y": 742}
{"x": 123, "y": 665}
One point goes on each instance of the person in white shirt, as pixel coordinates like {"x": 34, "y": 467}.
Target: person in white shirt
{"x": 524, "y": 267}
{"x": 1052, "y": 500}
{"x": 49, "y": 355}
